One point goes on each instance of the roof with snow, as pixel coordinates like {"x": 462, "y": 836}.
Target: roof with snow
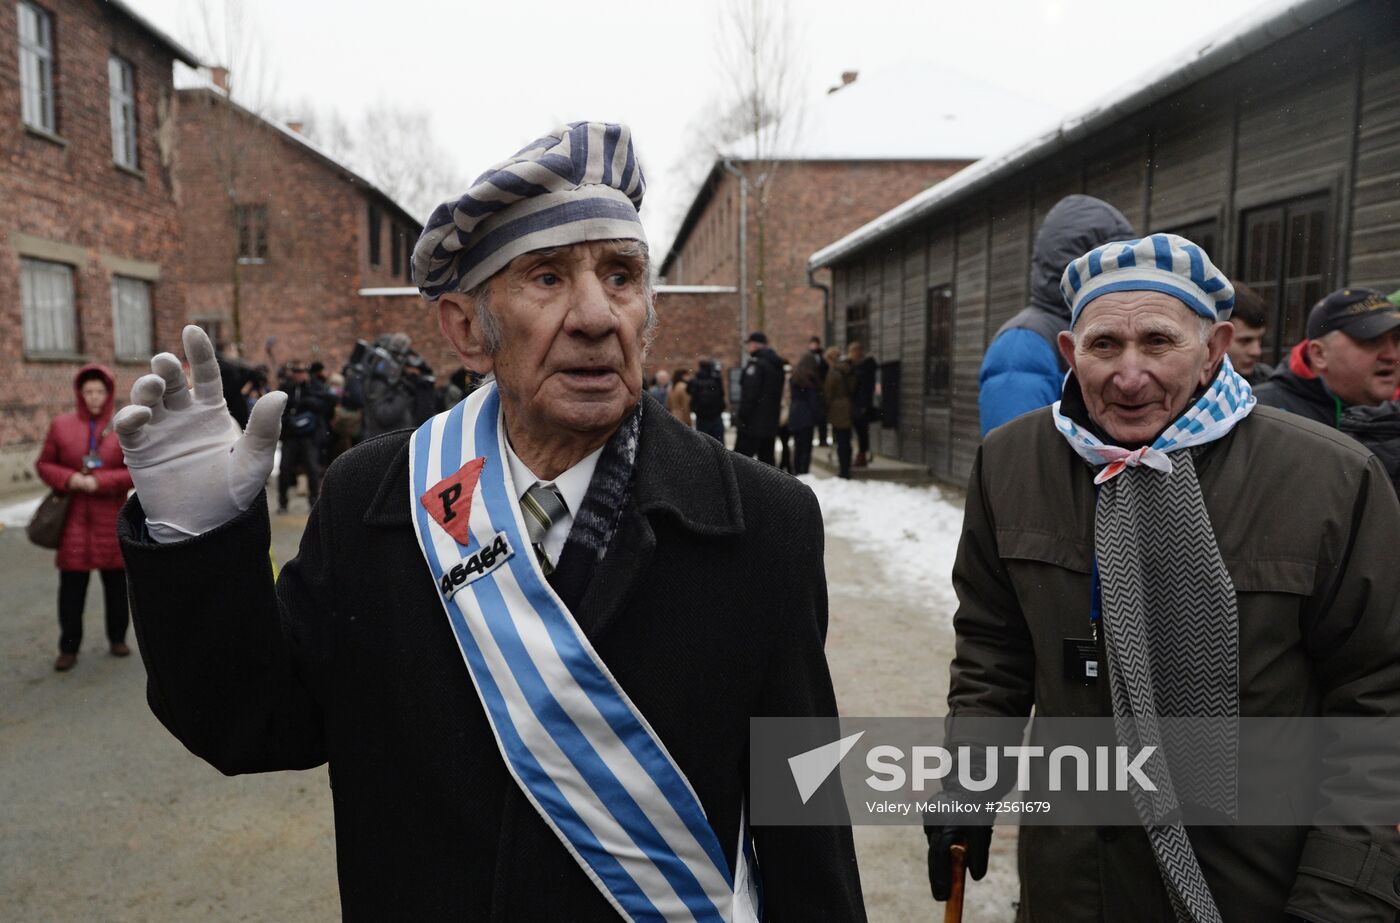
{"x": 1244, "y": 37}
{"x": 178, "y": 51}
{"x": 198, "y": 83}
{"x": 956, "y": 117}
{"x": 913, "y": 110}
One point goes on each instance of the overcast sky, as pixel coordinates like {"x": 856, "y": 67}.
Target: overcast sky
{"x": 497, "y": 75}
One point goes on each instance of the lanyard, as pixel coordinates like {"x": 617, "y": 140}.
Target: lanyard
{"x": 92, "y": 437}
{"x": 1095, "y": 603}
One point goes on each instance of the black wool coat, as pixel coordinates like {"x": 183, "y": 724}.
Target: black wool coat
{"x": 709, "y": 608}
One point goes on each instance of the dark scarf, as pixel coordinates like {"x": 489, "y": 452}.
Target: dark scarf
{"x": 597, "y": 517}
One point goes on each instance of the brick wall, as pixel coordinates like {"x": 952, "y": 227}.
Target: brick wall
{"x": 305, "y": 293}
{"x": 64, "y": 199}
{"x": 691, "y": 327}
{"x": 810, "y": 204}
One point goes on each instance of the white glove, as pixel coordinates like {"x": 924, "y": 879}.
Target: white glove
{"x": 192, "y": 468}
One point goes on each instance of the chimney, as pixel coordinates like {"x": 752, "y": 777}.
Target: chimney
{"x": 220, "y": 77}
{"x": 296, "y": 125}
{"x": 847, "y": 78}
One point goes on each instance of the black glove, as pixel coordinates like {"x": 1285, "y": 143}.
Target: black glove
{"x": 972, "y": 830}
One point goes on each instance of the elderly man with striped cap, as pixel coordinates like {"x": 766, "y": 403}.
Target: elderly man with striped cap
{"x": 527, "y": 637}
{"x": 1222, "y": 560}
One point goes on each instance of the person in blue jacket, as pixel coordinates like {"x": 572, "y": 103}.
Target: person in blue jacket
{"x": 1022, "y": 369}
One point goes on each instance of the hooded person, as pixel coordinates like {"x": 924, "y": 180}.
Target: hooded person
{"x": 503, "y": 629}
{"x": 82, "y": 458}
{"x": 1022, "y": 369}
{"x": 1141, "y": 513}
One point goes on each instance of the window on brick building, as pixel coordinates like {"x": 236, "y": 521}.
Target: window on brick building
{"x": 395, "y": 249}
{"x": 214, "y": 327}
{"x": 938, "y": 344}
{"x": 131, "y": 318}
{"x": 409, "y": 240}
{"x": 122, "y": 99}
{"x": 252, "y": 233}
{"x": 36, "y": 67}
{"x": 373, "y": 235}
{"x": 50, "y": 313}
{"x": 1285, "y": 256}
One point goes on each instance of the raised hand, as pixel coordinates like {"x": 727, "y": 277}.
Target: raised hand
{"x": 192, "y": 468}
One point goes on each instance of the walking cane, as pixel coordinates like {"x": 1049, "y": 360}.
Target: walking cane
{"x": 952, "y": 910}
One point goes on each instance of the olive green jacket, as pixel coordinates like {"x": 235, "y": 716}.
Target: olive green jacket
{"x": 837, "y": 390}
{"x": 1308, "y": 526}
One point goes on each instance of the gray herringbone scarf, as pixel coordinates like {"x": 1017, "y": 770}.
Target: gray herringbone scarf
{"x": 1171, "y": 630}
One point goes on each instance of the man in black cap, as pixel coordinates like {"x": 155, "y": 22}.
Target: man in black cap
{"x": 760, "y": 400}
{"x": 1350, "y": 358}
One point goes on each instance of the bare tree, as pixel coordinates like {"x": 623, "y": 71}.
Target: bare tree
{"x": 399, "y": 151}
{"x": 395, "y": 147}
{"x": 224, "y": 33}
{"x": 759, "y": 53}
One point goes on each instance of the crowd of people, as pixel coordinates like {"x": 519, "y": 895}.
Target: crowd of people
{"x": 384, "y": 386}
{"x": 784, "y": 410}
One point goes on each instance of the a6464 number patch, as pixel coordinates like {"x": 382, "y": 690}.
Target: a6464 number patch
{"x": 487, "y": 559}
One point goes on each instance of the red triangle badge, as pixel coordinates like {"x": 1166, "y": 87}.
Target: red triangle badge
{"x": 449, "y": 501}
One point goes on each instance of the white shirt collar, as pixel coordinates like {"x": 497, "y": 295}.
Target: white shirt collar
{"x": 572, "y": 484}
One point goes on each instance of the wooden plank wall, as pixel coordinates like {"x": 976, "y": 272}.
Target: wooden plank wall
{"x": 1375, "y": 232}
{"x": 914, "y": 325}
{"x": 1241, "y": 139}
{"x": 1191, "y": 165}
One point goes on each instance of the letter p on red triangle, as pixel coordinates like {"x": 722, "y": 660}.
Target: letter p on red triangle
{"x": 449, "y": 501}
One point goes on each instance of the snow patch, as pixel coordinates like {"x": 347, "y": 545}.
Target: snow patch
{"x": 17, "y": 515}
{"x": 912, "y": 531}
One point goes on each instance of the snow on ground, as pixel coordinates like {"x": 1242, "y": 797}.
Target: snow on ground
{"x": 16, "y": 515}
{"x": 912, "y": 531}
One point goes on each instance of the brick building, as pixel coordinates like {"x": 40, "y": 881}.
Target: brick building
{"x": 89, "y": 267}
{"x": 283, "y": 242}
{"x": 862, "y": 149}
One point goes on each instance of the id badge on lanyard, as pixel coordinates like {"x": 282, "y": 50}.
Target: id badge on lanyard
{"x": 92, "y": 461}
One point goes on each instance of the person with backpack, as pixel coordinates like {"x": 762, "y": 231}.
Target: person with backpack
{"x": 707, "y": 400}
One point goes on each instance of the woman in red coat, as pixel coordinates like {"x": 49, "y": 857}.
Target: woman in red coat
{"x": 81, "y": 457}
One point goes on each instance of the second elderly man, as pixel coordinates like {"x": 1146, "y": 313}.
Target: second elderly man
{"x": 1225, "y": 560}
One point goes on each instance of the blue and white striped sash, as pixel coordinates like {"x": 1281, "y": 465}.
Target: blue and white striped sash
{"x": 579, "y": 749}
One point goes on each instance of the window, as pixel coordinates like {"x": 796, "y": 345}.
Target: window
{"x": 36, "y": 67}
{"x": 396, "y": 248}
{"x": 409, "y": 241}
{"x": 131, "y": 318}
{"x": 252, "y": 232}
{"x": 858, "y": 323}
{"x": 373, "y": 235}
{"x": 122, "y": 98}
{"x": 1285, "y": 256}
{"x": 214, "y": 327}
{"x": 938, "y": 344}
{"x": 1204, "y": 234}
{"x": 50, "y": 316}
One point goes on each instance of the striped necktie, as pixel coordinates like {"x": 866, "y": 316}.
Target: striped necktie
{"x": 543, "y": 506}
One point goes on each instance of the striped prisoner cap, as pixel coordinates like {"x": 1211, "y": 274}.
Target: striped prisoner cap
{"x": 1158, "y": 263}
{"x": 579, "y": 182}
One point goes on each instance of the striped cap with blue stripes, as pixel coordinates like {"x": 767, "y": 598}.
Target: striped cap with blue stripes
{"x": 578, "y": 183}
{"x": 1158, "y": 263}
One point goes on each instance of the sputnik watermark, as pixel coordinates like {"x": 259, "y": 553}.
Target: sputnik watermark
{"x": 1114, "y": 767}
